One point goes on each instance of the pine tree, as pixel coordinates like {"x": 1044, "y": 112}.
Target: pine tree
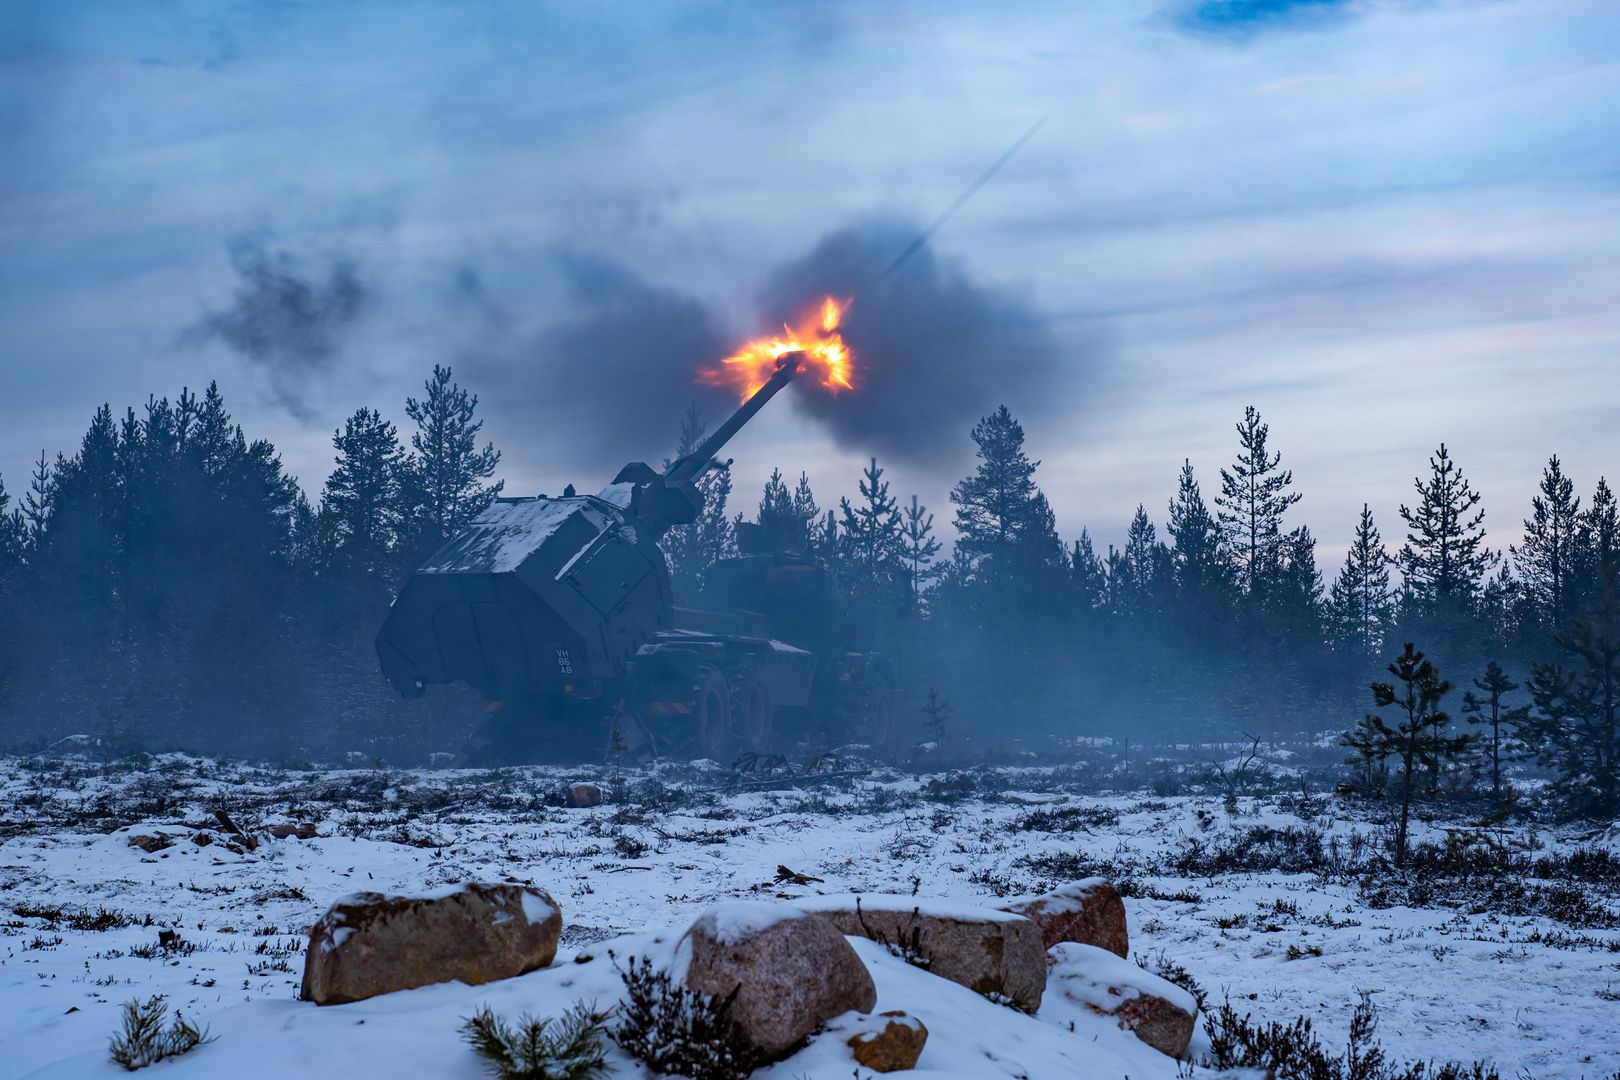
{"x": 999, "y": 505}
{"x": 919, "y": 547}
{"x": 1086, "y": 572}
{"x": 1361, "y": 605}
{"x": 1254, "y": 496}
{"x": 37, "y": 503}
{"x": 691, "y": 549}
{"x": 1488, "y": 710}
{"x": 1444, "y": 558}
{"x": 873, "y": 541}
{"x": 1416, "y": 739}
{"x": 445, "y": 476}
{"x": 1546, "y": 557}
{"x": 775, "y": 499}
{"x": 804, "y": 500}
{"x": 360, "y": 505}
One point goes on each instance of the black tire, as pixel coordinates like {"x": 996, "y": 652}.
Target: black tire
{"x": 711, "y": 716}
{"x": 752, "y": 715}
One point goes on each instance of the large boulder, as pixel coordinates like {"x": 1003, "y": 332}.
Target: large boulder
{"x": 997, "y": 953}
{"x": 583, "y": 795}
{"x": 1090, "y": 912}
{"x": 792, "y": 973}
{"x": 1087, "y": 979}
{"x": 369, "y": 944}
{"x": 888, "y": 1043}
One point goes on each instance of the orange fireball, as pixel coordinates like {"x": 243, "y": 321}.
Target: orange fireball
{"x": 825, "y": 354}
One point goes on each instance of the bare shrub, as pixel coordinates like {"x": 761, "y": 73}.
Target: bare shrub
{"x": 676, "y": 1030}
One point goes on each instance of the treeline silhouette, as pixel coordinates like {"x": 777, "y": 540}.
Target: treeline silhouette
{"x": 168, "y": 585}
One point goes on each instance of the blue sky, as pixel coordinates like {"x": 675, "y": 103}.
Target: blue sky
{"x": 1385, "y": 224}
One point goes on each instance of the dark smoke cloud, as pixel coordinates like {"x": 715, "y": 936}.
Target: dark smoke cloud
{"x": 612, "y": 377}
{"x": 282, "y": 318}
{"x": 934, "y": 349}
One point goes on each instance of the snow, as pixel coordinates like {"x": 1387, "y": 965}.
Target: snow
{"x": 981, "y": 910}
{"x": 535, "y": 908}
{"x": 1062, "y": 901}
{"x": 416, "y": 1032}
{"x": 1529, "y": 993}
{"x": 734, "y": 921}
{"x": 617, "y": 495}
{"x": 507, "y": 533}
{"x": 1097, "y": 979}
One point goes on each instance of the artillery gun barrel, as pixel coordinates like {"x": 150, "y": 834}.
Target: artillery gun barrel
{"x": 692, "y": 465}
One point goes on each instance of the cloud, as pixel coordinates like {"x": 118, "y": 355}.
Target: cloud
{"x": 1245, "y": 18}
{"x": 283, "y": 319}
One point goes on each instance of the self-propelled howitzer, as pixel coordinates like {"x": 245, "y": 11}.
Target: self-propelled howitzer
{"x": 560, "y": 613}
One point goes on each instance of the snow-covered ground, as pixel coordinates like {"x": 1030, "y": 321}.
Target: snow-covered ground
{"x": 1524, "y": 974}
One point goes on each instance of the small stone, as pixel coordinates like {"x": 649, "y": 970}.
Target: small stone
{"x": 792, "y": 973}
{"x": 996, "y": 953}
{"x": 369, "y": 944}
{"x": 1090, "y": 912}
{"x": 284, "y": 830}
{"x": 150, "y": 844}
{"x": 202, "y": 839}
{"x": 891, "y": 1042}
{"x": 582, "y": 795}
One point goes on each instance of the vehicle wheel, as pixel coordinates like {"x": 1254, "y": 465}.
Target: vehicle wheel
{"x": 751, "y": 713}
{"x": 711, "y": 716}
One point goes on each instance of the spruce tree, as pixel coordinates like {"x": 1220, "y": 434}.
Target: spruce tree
{"x": 826, "y": 542}
{"x": 919, "y": 547}
{"x": 1198, "y": 559}
{"x": 1416, "y": 739}
{"x": 1297, "y": 596}
{"x": 1254, "y": 496}
{"x": 1597, "y": 546}
{"x": 445, "y": 477}
{"x": 1546, "y": 557}
{"x": 1444, "y": 558}
{"x": 1489, "y": 710}
{"x": 1361, "y": 605}
{"x": 11, "y": 536}
{"x": 1575, "y": 727}
{"x": 360, "y": 505}
{"x": 1086, "y": 573}
{"x": 1139, "y": 567}
{"x": 872, "y": 535}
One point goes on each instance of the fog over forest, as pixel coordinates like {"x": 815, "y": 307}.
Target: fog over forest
{"x": 168, "y": 586}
